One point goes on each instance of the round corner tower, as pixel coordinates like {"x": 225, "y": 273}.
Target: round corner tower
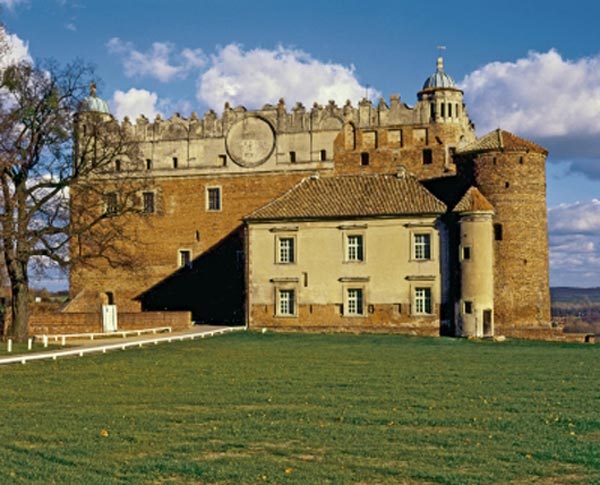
{"x": 474, "y": 310}
{"x": 511, "y": 173}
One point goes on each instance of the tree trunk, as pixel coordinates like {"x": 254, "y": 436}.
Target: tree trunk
{"x": 20, "y": 312}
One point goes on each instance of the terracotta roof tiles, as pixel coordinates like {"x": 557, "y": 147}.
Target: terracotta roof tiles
{"x": 501, "y": 140}
{"x": 473, "y": 201}
{"x": 351, "y": 196}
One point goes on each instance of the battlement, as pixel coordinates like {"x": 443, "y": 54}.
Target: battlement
{"x": 298, "y": 119}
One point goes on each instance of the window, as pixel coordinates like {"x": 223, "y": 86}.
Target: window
{"x": 468, "y": 307}
{"x": 466, "y": 252}
{"x": 148, "y": 164}
{"x": 213, "y": 198}
{"x": 175, "y": 162}
{"x": 423, "y": 300}
{"x": 432, "y": 111}
{"x": 449, "y": 110}
{"x": 111, "y": 204}
{"x": 285, "y": 250}
{"x": 323, "y": 155}
{"x": 498, "y": 232}
{"x": 354, "y": 302}
{"x": 427, "y": 156}
{"x": 117, "y": 165}
{"x": 354, "y": 248}
{"x": 286, "y": 304}
{"x": 222, "y": 160}
{"x": 293, "y": 157}
{"x": 422, "y": 246}
{"x": 364, "y": 159}
{"x": 185, "y": 258}
{"x": 148, "y": 200}
{"x": 442, "y": 111}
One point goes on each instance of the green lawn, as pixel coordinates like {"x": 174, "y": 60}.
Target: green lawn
{"x": 291, "y": 408}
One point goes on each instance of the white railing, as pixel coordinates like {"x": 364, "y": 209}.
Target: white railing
{"x": 91, "y": 335}
{"x": 55, "y": 354}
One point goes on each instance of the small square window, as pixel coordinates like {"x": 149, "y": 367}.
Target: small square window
{"x": 498, "y": 232}
{"x": 355, "y": 247}
{"x": 422, "y": 246}
{"x": 292, "y": 157}
{"x": 427, "y": 156}
{"x": 175, "y": 162}
{"x": 286, "y": 302}
{"x": 285, "y": 251}
{"x": 354, "y": 301}
{"x": 466, "y": 252}
{"x": 148, "y": 200}
{"x": 111, "y": 204}
{"x": 468, "y": 307}
{"x": 423, "y": 301}
{"x": 213, "y": 198}
{"x": 222, "y": 160}
{"x": 364, "y": 159}
{"x": 185, "y": 258}
{"x": 148, "y": 164}
{"x": 323, "y": 155}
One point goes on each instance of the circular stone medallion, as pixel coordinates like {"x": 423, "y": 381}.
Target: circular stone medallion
{"x": 250, "y": 141}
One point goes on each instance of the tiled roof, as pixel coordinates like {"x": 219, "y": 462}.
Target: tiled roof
{"x": 351, "y": 196}
{"x": 501, "y": 140}
{"x": 473, "y": 201}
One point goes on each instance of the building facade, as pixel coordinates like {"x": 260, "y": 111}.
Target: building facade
{"x": 205, "y": 244}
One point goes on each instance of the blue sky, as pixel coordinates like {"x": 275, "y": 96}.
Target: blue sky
{"x": 532, "y": 67}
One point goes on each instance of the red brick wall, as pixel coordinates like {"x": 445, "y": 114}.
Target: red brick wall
{"x": 59, "y": 323}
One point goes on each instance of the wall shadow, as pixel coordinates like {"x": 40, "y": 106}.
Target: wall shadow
{"x": 212, "y": 287}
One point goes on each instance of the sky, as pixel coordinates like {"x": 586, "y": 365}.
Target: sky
{"x": 530, "y": 67}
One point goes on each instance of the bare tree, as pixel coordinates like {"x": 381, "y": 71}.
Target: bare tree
{"x": 48, "y": 153}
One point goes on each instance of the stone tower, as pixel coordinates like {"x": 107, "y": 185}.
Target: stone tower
{"x": 510, "y": 172}
{"x": 474, "y": 312}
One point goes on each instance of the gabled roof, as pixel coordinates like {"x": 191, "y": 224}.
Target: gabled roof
{"x": 473, "y": 201}
{"x": 351, "y": 196}
{"x": 502, "y": 140}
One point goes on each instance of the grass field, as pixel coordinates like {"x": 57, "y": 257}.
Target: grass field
{"x": 277, "y": 408}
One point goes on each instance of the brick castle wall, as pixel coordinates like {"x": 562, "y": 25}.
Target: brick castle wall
{"x": 60, "y": 323}
{"x": 515, "y": 183}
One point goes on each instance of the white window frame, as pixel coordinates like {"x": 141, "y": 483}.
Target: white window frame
{"x": 354, "y": 301}
{"x": 210, "y": 190}
{"x": 422, "y": 299}
{"x": 421, "y": 250}
{"x": 285, "y": 255}
{"x": 286, "y": 302}
{"x": 354, "y": 251}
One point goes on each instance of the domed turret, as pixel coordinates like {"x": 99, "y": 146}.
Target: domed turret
{"x": 439, "y": 79}
{"x": 93, "y": 103}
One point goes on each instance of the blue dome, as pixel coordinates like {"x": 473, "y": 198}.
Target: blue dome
{"x": 439, "y": 79}
{"x": 94, "y": 103}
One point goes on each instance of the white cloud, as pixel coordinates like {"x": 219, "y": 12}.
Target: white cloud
{"x": 18, "y": 49}
{"x": 257, "y": 76}
{"x": 10, "y": 4}
{"x": 133, "y": 103}
{"x": 160, "y": 62}
{"x": 574, "y": 233}
{"x": 547, "y": 98}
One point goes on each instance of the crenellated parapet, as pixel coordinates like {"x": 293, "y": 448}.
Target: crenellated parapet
{"x": 296, "y": 119}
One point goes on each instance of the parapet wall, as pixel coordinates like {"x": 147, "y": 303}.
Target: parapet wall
{"x": 61, "y": 323}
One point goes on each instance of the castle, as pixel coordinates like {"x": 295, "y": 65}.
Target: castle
{"x": 331, "y": 217}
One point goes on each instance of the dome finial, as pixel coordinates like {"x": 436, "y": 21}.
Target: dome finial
{"x": 93, "y": 89}
{"x": 440, "y": 59}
